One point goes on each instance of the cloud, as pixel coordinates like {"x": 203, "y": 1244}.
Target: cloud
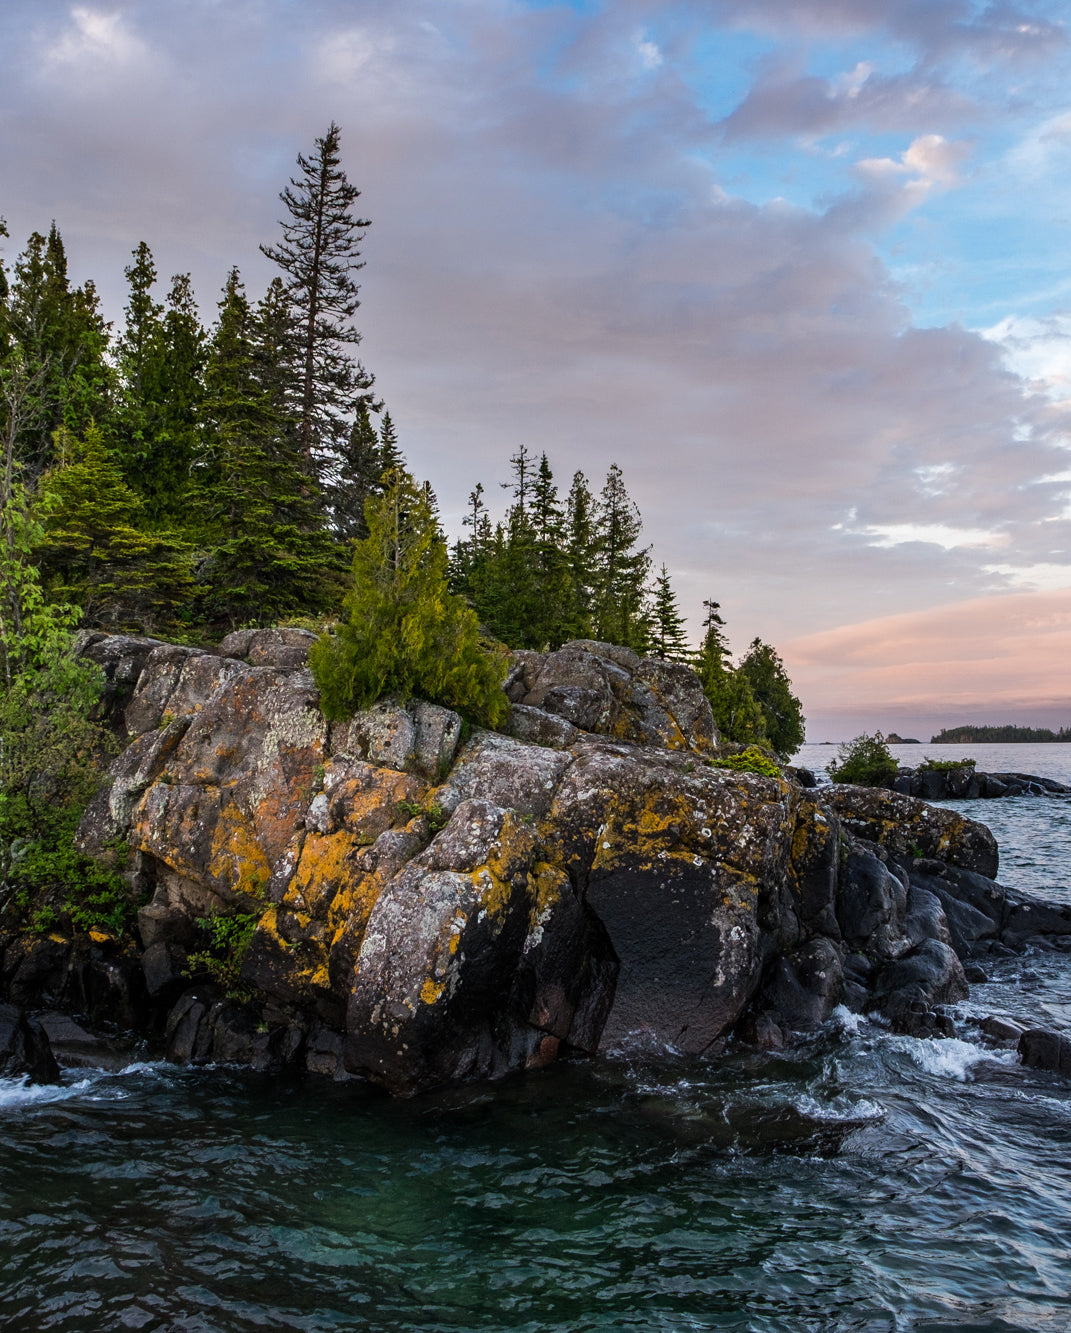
{"x": 559, "y": 257}
{"x": 96, "y": 38}
{"x": 936, "y": 29}
{"x": 784, "y": 102}
{"x": 988, "y": 659}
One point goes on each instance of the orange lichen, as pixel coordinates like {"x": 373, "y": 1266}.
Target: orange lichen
{"x": 236, "y": 857}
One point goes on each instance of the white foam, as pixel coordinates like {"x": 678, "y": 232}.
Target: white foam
{"x": 839, "y": 1110}
{"x": 843, "y": 1018}
{"x": 19, "y": 1092}
{"x": 949, "y": 1057}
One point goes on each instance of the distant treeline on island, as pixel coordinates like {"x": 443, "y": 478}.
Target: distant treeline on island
{"x": 980, "y": 735}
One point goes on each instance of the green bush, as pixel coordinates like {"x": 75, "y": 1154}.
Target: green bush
{"x": 406, "y": 633}
{"x": 229, "y": 941}
{"x": 865, "y": 761}
{"x": 751, "y": 760}
{"x": 929, "y": 765}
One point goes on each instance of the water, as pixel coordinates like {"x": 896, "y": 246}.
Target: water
{"x": 864, "y": 1183}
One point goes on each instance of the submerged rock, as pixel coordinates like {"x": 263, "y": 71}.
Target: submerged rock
{"x": 403, "y": 906}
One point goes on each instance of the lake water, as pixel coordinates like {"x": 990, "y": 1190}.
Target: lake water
{"x": 865, "y": 1183}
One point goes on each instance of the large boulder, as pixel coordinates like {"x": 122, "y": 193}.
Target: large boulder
{"x": 385, "y": 899}
{"x": 598, "y": 687}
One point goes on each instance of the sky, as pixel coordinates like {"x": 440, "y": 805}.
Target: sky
{"x": 802, "y": 269}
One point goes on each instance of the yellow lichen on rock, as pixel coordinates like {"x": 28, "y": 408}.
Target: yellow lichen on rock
{"x": 236, "y": 859}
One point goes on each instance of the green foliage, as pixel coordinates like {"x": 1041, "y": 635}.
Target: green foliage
{"x": 782, "y": 712}
{"x": 737, "y": 715}
{"x": 668, "y": 638}
{"x": 406, "y": 633}
{"x": 751, "y": 760}
{"x": 865, "y": 761}
{"x": 229, "y": 939}
{"x": 261, "y": 516}
{"x": 945, "y": 765}
{"x": 96, "y": 551}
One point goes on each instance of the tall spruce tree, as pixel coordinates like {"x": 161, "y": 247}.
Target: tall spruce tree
{"x": 620, "y": 605}
{"x": 319, "y": 255}
{"x": 269, "y": 554}
{"x": 736, "y": 713}
{"x": 668, "y": 638}
{"x": 62, "y": 343}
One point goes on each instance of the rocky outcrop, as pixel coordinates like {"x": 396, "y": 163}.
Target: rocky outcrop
{"x": 387, "y": 898}
{"x": 963, "y": 782}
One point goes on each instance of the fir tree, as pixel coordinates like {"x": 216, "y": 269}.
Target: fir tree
{"x": 319, "y": 254}
{"x": 405, "y": 632}
{"x": 269, "y": 554}
{"x": 62, "y": 341}
{"x": 668, "y": 639}
{"x": 620, "y": 605}
{"x": 736, "y": 713}
{"x": 781, "y": 710}
{"x": 580, "y": 550}
{"x": 390, "y": 456}
{"x": 96, "y": 553}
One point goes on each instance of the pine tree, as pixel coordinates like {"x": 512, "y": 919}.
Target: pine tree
{"x": 269, "y": 554}
{"x": 621, "y": 568}
{"x": 62, "y": 342}
{"x": 405, "y": 632}
{"x": 781, "y": 709}
{"x": 736, "y": 713}
{"x": 319, "y": 255}
{"x": 95, "y": 552}
{"x": 668, "y": 639}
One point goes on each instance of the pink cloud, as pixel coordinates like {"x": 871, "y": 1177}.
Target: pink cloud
{"x": 992, "y": 659}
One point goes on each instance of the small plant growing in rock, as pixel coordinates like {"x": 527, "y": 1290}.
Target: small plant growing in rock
{"x": 929, "y": 765}
{"x": 864, "y": 761}
{"x": 229, "y": 941}
{"x": 751, "y": 760}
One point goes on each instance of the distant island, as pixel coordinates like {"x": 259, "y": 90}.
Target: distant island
{"x": 981, "y": 735}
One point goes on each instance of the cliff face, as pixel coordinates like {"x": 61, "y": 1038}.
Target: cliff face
{"x": 423, "y": 907}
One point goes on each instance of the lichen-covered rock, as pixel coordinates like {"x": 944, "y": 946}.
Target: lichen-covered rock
{"x": 601, "y": 688}
{"x": 285, "y": 647}
{"x": 909, "y": 828}
{"x": 418, "y": 911}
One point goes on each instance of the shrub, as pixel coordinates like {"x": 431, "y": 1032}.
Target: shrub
{"x": 929, "y": 765}
{"x": 751, "y": 760}
{"x": 406, "y": 633}
{"x": 865, "y": 761}
{"x": 229, "y": 941}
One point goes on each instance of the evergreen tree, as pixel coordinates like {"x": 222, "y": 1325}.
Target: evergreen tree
{"x": 390, "y": 456}
{"x": 139, "y": 354}
{"x": 668, "y": 639}
{"x": 62, "y": 341}
{"x": 94, "y": 551}
{"x": 620, "y": 604}
{"x": 737, "y": 715}
{"x": 269, "y": 554}
{"x": 580, "y": 551}
{"x": 405, "y": 632}
{"x": 319, "y": 254}
{"x": 359, "y": 476}
{"x": 781, "y": 709}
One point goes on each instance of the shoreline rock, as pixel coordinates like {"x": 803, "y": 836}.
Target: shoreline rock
{"x": 425, "y": 909}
